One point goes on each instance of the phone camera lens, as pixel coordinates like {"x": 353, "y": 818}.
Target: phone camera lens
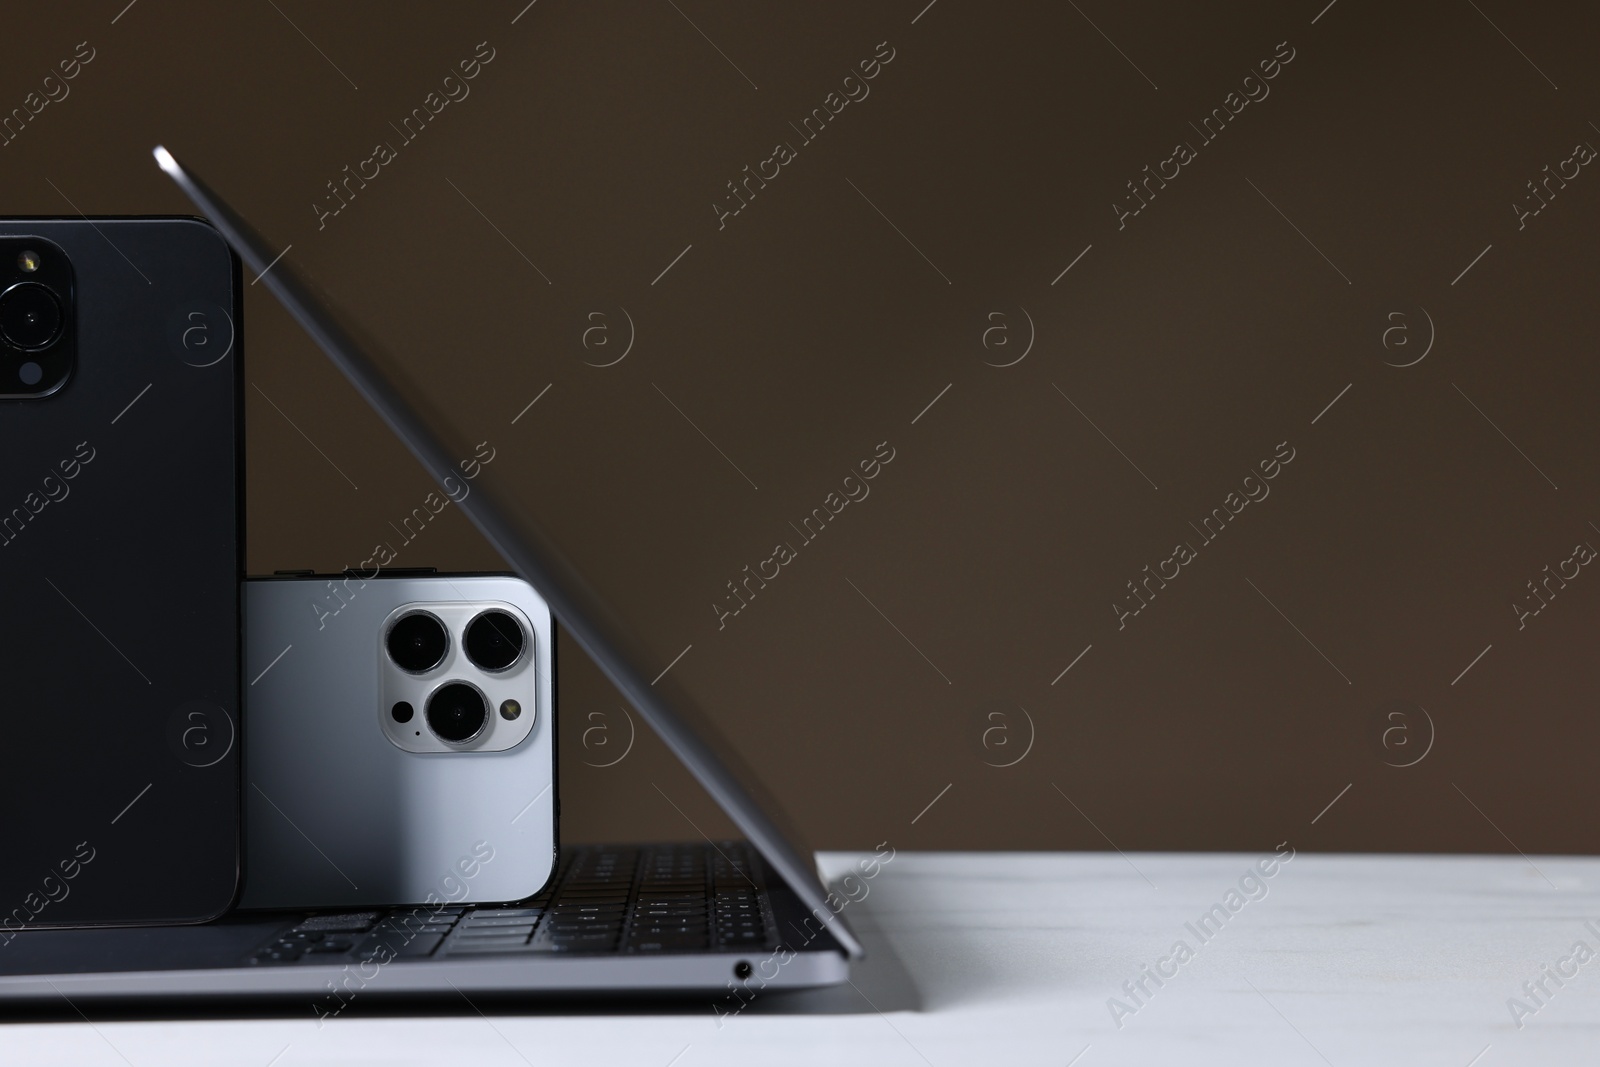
{"x": 457, "y": 712}
{"x": 494, "y": 640}
{"x": 30, "y": 316}
{"x": 417, "y": 642}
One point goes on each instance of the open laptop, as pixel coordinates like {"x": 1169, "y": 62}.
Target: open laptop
{"x": 646, "y": 918}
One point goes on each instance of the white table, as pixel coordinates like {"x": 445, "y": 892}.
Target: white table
{"x": 1005, "y": 959}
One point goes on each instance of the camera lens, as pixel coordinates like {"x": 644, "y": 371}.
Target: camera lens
{"x": 30, "y": 316}
{"x": 494, "y": 640}
{"x": 417, "y": 642}
{"x": 457, "y": 712}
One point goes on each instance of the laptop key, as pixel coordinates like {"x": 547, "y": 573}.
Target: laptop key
{"x": 420, "y": 947}
{"x": 669, "y": 944}
{"x": 465, "y": 944}
{"x": 487, "y": 922}
{"x": 486, "y": 948}
{"x": 495, "y": 933}
{"x": 505, "y": 913}
{"x": 586, "y": 938}
{"x": 354, "y": 922}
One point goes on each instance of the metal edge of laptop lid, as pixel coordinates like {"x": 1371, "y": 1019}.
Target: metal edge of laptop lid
{"x": 531, "y": 553}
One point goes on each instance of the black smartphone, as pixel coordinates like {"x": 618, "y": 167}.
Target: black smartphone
{"x": 120, "y": 559}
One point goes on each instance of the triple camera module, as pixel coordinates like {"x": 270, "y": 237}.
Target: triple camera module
{"x": 37, "y": 340}
{"x": 458, "y": 711}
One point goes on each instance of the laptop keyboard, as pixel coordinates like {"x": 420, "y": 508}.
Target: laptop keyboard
{"x": 647, "y": 900}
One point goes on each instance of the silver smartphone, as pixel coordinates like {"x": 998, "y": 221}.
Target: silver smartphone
{"x": 399, "y": 740}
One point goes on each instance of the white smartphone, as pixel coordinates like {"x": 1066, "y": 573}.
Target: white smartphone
{"x": 399, "y": 740}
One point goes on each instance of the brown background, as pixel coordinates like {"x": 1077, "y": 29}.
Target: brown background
{"x": 810, "y": 329}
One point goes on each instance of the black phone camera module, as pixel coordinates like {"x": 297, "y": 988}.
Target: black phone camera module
{"x": 457, "y": 712}
{"x": 417, "y": 642}
{"x": 494, "y": 640}
{"x": 38, "y": 342}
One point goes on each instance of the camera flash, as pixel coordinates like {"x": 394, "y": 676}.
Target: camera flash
{"x": 510, "y": 710}
{"x": 28, "y": 261}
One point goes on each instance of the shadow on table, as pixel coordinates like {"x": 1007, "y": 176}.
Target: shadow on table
{"x": 879, "y": 983}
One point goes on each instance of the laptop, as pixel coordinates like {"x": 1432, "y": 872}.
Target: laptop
{"x": 706, "y": 916}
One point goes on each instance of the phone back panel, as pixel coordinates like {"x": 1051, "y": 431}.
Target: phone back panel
{"x": 337, "y": 814}
{"x": 120, "y": 556}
